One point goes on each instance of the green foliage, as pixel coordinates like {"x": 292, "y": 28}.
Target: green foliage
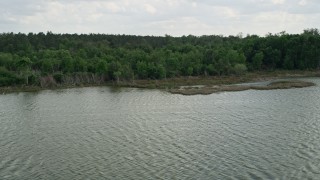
{"x": 6, "y": 60}
{"x": 239, "y": 69}
{"x": 211, "y": 70}
{"x": 288, "y": 64}
{"x": 101, "y": 67}
{"x": 47, "y": 66}
{"x": 80, "y": 65}
{"x": 24, "y": 63}
{"x": 58, "y": 77}
{"x": 235, "y": 57}
{"x": 117, "y": 75}
{"x": 8, "y": 78}
{"x": 190, "y": 71}
{"x": 34, "y": 79}
{"x": 161, "y": 72}
{"x": 142, "y": 70}
{"x": 257, "y": 61}
{"x": 25, "y": 58}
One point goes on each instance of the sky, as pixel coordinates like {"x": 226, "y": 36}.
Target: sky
{"x": 160, "y": 17}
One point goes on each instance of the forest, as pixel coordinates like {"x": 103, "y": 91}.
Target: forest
{"x": 48, "y": 59}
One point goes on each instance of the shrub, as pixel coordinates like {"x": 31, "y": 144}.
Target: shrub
{"x": 58, "y": 77}
{"x": 8, "y": 78}
{"x": 239, "y": 69}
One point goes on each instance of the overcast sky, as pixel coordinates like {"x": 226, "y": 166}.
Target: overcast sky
{"x": 159, "y": 17}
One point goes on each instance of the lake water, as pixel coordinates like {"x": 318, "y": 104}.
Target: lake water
{"x": 107, "y": 133}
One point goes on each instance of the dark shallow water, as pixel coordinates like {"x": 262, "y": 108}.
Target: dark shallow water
{"x": 105, "y": 133}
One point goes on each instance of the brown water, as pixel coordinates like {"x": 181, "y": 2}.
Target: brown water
{"x": 105, "y": 133}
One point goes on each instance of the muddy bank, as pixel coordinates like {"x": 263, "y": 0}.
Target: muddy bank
{"x": 205, "y": 90}
{"x": 208, "y": 84}
{"x": 14, "y": 89}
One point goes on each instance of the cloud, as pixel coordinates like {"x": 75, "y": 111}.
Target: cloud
{"x": 303, "y": 2}
{"x": 150, "y": 9}
{"x": 278, "y": 1}
{"x": 159, "y": 17}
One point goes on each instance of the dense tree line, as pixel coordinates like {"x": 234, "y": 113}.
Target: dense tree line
{"x": 39, "y": 59}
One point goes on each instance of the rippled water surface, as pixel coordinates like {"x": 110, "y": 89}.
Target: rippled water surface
{"x": 105, "y": 133}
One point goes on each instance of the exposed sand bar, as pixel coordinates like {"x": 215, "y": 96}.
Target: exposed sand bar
{"x": 205, "y": 90}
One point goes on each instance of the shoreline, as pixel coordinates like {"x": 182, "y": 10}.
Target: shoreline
{"x": 172, "y": 85}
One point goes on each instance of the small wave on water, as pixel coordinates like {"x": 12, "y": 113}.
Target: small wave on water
{"x": 101, "y": 133}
